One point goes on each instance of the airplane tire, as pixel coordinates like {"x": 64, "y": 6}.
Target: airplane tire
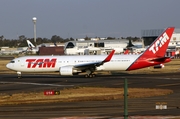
{"x": 19, "y": 77}
{"x": 86, "y": 76}
{"x": 90, "y": 75}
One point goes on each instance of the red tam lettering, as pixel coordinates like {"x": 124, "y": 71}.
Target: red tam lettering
{"x": 43, "y": 63}
{"x": 38, "y": 62}
{"x": 48, "y": 63}
{"x": 30, "y": 62}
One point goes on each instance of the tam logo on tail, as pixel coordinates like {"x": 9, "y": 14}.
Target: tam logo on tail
{"x": 159, "y": 43}
{"x": 159, "y": 46}
{"x": 155, "y": 54}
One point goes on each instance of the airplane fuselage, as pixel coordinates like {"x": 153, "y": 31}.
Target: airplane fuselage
{"x": 53, "y": 63}
{"x": 70, "y": 65}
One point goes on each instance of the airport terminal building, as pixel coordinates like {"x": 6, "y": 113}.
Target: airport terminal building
{"x": 86, "y": 47}
{"x": 95, "y": 46}
{"x": 98, "y": 46}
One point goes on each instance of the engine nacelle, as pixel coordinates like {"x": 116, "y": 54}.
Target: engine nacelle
{"x": 66, "y": 70}
{"x": 159, "y": 66}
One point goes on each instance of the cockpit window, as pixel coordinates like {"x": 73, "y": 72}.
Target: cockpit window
{"x": 12, "y": 61}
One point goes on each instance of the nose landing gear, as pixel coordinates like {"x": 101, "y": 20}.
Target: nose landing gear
{"x": 19, "y": 75}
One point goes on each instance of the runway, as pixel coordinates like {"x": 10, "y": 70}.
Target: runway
{"x": 10, "y": 84}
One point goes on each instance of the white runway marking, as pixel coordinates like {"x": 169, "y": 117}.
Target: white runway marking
{"x": 29, "y": 83}
{"x": 173, "y": 84}
{"x": 166, "y": 78}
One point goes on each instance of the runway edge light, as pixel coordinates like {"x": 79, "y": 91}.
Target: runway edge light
{"x": 56, "y": 92}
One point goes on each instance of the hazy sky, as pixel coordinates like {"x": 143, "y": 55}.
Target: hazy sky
{"x": 81, "y": 18}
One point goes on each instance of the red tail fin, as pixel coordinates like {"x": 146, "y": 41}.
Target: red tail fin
{"x": 154, "y": 55}
{"x": 159, "y": 46}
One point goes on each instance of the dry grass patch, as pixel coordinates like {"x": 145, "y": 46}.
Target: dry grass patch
{"x": 3, "y": 68}
{"x": 81, "y": 94}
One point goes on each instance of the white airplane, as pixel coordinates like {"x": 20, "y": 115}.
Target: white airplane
{"x": 32, "y": 48}
{"x": 30, "y": 44}
{"x": 71, "y": 65}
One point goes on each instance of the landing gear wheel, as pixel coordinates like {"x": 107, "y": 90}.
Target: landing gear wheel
{"x": 90, "y": 75}
{"x": 94, "y": 75}
{"x": 86, "y": 76}
{"x": 19, "y": 77}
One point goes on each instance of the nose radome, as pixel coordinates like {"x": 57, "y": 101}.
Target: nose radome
{"x": 8, "y": 65}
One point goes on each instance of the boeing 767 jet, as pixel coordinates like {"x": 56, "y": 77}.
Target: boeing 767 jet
{"x": 73, "y": 65}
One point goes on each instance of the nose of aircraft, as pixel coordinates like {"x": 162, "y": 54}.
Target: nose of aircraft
{"x": 8, "y": 66}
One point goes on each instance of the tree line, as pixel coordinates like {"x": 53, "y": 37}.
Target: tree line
{"x": 21, "y": 41}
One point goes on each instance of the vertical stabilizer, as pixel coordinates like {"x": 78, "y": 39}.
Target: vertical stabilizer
{"x": 30, "y": 45}
{"x": 155, "y": 53}
{"x": 159, "y": 46}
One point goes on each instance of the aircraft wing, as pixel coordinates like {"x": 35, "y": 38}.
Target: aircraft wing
{"x": 94, "y": 64}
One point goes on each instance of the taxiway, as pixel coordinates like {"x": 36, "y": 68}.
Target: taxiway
{"x": 10, "y": 84}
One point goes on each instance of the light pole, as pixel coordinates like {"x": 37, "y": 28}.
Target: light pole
{"x": 34, "y": 21}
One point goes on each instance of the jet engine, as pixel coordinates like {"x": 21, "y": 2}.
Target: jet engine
{"x": 159, "y": 66}
{"x": 67, "y": 70}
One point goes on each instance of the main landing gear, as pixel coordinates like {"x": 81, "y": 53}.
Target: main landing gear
{"x": 19, "y": 75}
{"x": 90, "y": 75}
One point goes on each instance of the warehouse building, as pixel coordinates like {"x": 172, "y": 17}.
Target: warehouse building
{"x": 149, "y": 36}
{"x": 95, "y": 46}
